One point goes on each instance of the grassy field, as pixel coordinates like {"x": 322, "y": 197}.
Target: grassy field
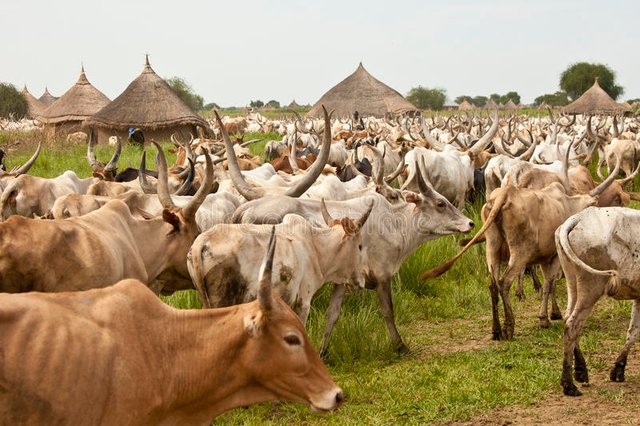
{"x": 453, "y": 372}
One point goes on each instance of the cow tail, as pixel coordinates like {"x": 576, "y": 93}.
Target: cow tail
{"x": 495, "y": 211}
{"x": 563, "y": 244}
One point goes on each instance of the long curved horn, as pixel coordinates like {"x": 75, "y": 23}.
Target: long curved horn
{"x": 147, "y": 188}
{"x": 363, "y": 219}
{"x": 252, "y": 141}
{"x": 485, "y": 140}
{"x": 378, "y": 172}
{"x": 435, "y": 144}
{"x": 325, "y": 213}
{"x": 174, "y": 140}
{"x": 246, "y": 190}
{"x": 318, "y": 166}
{"x": 397, "y": 171}
{"x": 113, "y": 163}
{"x": 91, "y": 155}
{"x": 163, "y": 179}
{"x": 525, "y": 156}
{"x": 265, "y": 299}
{"x": 186, "y": 186}
{"x": 189, "y": 211}
{"x": 604, "y": 184}
{"x": 26, "y": 166}
{"x": 292, "y": 152}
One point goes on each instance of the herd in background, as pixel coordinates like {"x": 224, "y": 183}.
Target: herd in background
{"x": 347, "y": 200}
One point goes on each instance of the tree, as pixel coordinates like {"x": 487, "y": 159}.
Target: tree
{"x": 12, "y": 103}
{"x": 273, "y": 104}
{"x": 425, "y": 98}
{"x": 495, "y": 97}
{"x": 185, "y": 92}
{"x": 256, "y": 104}
{"x": 211, "y": 105}
{"x": 513, "y": 96}
{"x": 579, "y": 77}
{"x": 479, "y": 101}
{"x": 559, "y": 98}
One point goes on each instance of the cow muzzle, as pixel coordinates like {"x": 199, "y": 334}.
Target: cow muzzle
{"x": 328, "y": 401}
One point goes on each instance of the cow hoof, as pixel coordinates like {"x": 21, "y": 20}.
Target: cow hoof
{"x": 571, "y": 390}
{"x": 556, "y": 316}
{"x": 544, "y": 323}
{"x": 617, "y": 373}
{"x": 581, "y": 375}
{"x": 401, "y": 348}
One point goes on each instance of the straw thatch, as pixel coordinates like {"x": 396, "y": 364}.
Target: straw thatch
{"x": 35, "y": 106}
{"x": 466, "y": 106}
{"x": 294, "y": 105}
{"x": 148, "y": 103}
{"x": 363, "y": 93}
{"x": 595, "y": 101}
{"x": 510, "y": 105}
{"x": 47, "y": 98}
{"x": 80, "y": 102}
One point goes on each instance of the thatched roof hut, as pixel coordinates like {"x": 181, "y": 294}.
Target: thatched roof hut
{"x": 148, "y": 103}
{"x": 363, "y": 93}
{"x": 47, "y": 98}
{"x": 294, "y": 105}
{"x": 595, "y": 101}
{"x": 466, "y": 106}
{"x": 510, "y": 105}
{"x": 66, "y": 114}
{"x": 35, "y": 106}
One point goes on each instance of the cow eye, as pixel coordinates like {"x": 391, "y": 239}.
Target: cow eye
{"x": 440, "y": 204}
{"x": 292, "y": 340}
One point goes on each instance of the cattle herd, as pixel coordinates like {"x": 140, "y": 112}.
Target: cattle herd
{"x": 338, "y": 200}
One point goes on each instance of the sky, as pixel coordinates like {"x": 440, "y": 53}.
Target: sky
{"x": 236, "y": 51}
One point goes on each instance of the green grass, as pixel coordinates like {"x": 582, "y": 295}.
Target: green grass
{"x": 453, "y": 372}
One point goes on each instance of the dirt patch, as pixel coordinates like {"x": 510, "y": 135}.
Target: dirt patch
{"x": 602, "y": 403}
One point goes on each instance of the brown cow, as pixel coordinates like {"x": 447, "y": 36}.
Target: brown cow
{"x": 103, "y": 246}
{"x": 519, "y": 224}
{"x": 119, "y": 355}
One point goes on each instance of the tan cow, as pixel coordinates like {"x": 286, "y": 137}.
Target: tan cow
{"x": 102, "y": 247}
{"x": 119, "y": 356}
{"x": 519, "y": 224}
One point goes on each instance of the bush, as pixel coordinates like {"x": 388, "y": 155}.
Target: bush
{"x": 12, "y": 103}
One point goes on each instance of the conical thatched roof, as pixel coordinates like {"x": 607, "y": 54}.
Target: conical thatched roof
{"x": 363, "y": 93}
{"x": 77, "y": 104}
{"x": 147, "y": 103}
{"x": 594, "y": 101}
{"x": 466, "y": 106}
{"x": 47, "y": 98}
{"x": 294, "y": 105}
{"x": 510, "y": 105}
{"x": 35, "y": 106}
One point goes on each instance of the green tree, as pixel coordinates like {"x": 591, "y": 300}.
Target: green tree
{"x": 460, "y": 99}
{"x": 425, "y": 98}
{"x": 479, "y": 101}
{"x": 12, "y": 103}
{"x": 211, "y": 105}
{"x": 559, "y": 98}
{"x": 273, "y": 104}
{"x": 495, "y": 97}
{"x": 513, "y": 96}
{"x": 256, "y": 104}
{"x": 579, "y": 77}
{"x": 186, "y": 93}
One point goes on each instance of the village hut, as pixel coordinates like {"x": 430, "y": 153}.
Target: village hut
{"x": 35, "y": 106}
{"x": 595, "y": 101}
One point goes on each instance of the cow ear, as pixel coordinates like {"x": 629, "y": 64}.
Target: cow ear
{"x": 172, "y": 219}
{"x": 411, "y": 197}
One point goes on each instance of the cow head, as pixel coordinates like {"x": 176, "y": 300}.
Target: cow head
{"x": 278, "y": 355}
{"x": 345, "y": 263}
{"x": 104, "y": 172}
{"x": 433, "y": 213}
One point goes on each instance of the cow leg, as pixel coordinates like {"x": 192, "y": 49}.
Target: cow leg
{"x": 537, "y": 286}
{"x": 572, "y": 329}
{"x": 383, "y": 289}
{"x": 510, "y": 273}
{"x": 617, "y": 372}
{"x": 520, "y": 288}
{"x": 335, "y": 306}
{"x": 494, "y": 272}
{"x": 549, "y": 273}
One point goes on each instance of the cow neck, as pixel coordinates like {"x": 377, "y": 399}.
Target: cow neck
{"x": 152, "y": 240}
{"x": 205, "y": 355}
{"x": 327, "y": 264}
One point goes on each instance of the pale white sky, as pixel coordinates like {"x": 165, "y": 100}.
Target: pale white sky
{"x": 235, "y": 51}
